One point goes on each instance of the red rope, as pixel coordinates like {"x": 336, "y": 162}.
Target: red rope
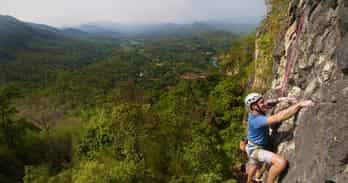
{"x": 293, "y": 54}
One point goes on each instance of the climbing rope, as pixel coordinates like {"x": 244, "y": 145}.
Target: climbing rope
{"x": 293, "y": 55}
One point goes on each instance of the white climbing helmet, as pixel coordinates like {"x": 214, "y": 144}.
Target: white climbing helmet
{"x": 252, "y": 98}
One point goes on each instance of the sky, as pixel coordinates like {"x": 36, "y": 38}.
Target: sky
{"x": 75, "y": 12}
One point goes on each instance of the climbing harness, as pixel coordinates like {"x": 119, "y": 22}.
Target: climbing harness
{"x": 293, "y": 54}
{"x": 254, "y": 149}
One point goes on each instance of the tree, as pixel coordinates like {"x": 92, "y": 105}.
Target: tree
{"x": 7, "y": 115}
{"x": 42, "y": 110}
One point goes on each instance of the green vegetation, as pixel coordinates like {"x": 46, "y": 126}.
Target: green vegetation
{"x": 123, "y": 114}
{"x": 42, "y": 61}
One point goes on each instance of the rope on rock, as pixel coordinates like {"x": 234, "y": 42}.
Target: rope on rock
{"x": 293, "y": 55}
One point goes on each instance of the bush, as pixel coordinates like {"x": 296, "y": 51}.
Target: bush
{"x": 108, "y": 172}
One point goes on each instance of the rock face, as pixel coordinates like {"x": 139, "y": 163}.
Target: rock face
{"x": 315, "y": 142}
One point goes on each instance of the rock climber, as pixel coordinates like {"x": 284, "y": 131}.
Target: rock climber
{"x": 258, "y": 133}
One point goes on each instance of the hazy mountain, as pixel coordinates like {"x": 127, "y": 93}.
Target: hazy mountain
{"x": 14, "y": 32}
{"x": 44, "y": 27}
{"x": 100, "y": 30}
{"x": 109, "y": 28}
{"x": 15, "y": 35}
{"x": 18, "y": 35}
{"x": 34, "y": 53}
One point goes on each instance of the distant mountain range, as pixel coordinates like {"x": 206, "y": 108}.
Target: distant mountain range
{"x": 16, "y": 35}
{"x": 16, "y": 32}
{"x": 12, "y": 29}
{"x": 167, "y": 28}
{"x": 35, "y": 52}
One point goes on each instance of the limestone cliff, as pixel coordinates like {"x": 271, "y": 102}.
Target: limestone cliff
{"x": 310, "y": 61}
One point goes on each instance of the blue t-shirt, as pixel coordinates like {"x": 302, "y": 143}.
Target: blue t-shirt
{"x": 258, "y": 131}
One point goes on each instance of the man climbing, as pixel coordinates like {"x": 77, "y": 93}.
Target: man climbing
{"x": 258, "y": 134}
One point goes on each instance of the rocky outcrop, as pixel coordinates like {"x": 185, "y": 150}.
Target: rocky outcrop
{"x": 315, "y": 142}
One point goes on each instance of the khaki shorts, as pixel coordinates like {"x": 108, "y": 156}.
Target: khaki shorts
{"x": 258, "y": 155}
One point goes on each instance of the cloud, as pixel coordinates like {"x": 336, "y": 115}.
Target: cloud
{"x": 69, "y": 12}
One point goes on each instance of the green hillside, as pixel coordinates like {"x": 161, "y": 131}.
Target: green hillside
{"x": 143, "y": 109}
{"x": 34, "y": 54}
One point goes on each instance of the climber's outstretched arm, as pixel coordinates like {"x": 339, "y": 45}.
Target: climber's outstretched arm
{"x": 287, "y": 113}
{"x": 272, "y": 102}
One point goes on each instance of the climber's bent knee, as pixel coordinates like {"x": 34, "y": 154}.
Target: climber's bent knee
{"x": 279, "y": 161}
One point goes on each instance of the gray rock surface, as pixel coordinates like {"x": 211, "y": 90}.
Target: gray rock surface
{"x": 342, "y": 55}
{"x": 315, "y": 142}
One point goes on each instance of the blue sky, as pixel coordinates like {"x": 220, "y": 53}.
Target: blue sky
{"x": 74, "y": 12}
